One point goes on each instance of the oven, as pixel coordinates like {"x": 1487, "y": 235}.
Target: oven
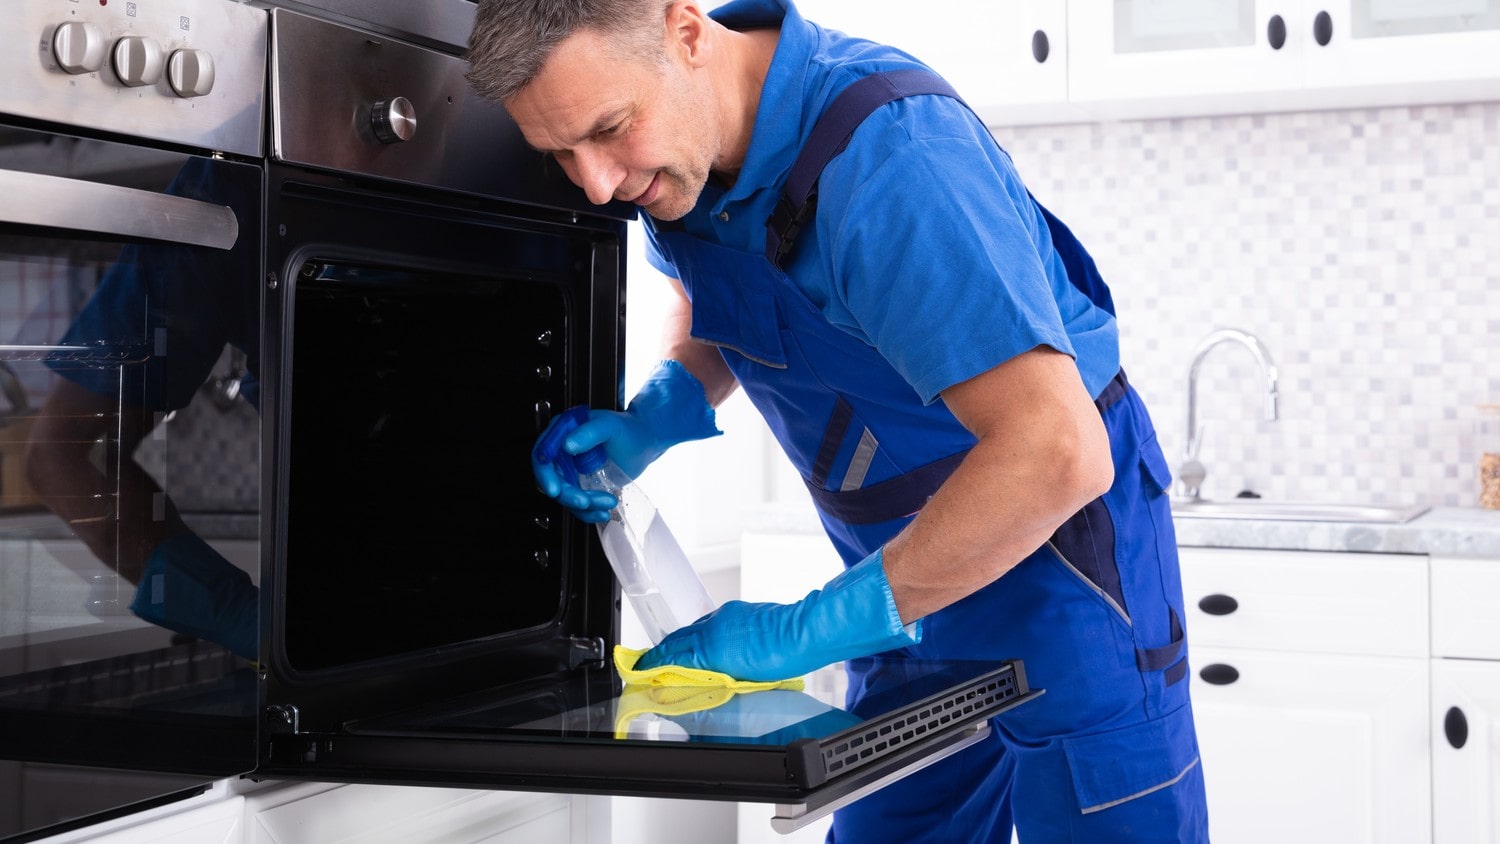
{"x": 131, "y": 208}
{"x": 277, "y": 330}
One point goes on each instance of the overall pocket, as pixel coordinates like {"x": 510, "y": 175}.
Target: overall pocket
{"x": 1120, "y": 765}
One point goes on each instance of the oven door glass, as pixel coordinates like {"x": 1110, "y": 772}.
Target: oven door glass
{"x": 129, "y": 472}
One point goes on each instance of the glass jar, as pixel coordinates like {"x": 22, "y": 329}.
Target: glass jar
{"x": 1487, "y": 438}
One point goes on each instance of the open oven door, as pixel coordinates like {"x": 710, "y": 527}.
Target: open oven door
{"x": 431, "y": 618}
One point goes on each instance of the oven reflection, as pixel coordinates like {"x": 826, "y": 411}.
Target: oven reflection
{"x": 167, "y": 340}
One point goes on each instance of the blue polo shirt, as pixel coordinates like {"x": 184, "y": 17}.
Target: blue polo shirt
{"x": 925, "y": 244}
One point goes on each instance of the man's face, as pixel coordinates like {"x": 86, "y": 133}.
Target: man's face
{"x": 626, "y": 129}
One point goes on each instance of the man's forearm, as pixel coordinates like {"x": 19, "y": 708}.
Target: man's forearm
{"x": 1036, "y": 464}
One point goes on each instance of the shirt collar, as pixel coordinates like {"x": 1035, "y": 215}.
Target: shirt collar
{"x": 777, "y": 133}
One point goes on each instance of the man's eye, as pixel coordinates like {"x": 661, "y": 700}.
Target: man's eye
{"x": 612, "y": 130}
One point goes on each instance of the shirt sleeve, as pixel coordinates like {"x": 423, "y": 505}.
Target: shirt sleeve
{"x": 936, "y": 254}
{"x": 654, "y": 255}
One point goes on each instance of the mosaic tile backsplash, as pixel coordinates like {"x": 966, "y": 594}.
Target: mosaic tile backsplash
{"x": 1361, "y": 247}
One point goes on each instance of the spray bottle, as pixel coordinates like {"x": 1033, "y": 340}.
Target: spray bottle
{"x": 653, "y": 571}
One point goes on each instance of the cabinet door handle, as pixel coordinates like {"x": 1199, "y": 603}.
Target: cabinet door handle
{"x": 1276, "y": 32}
{"x": 1323, "y": 28}
{"x": 1456, "y": 727}
{"x": 1040, "y": 46}
{"x": 1219, "y": 674}
{"x": 1218, "y": 604}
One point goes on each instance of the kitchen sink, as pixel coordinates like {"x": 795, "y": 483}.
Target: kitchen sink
{"x": 1296, "y": 511}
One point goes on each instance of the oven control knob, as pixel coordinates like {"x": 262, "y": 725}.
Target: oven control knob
{"x": 394, "y": 120}
{"x": 138, "y": 60}
{"x": 78, "y": 47}
{"x": 191, "y": 73}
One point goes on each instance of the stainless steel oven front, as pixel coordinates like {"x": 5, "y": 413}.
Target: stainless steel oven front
{"x": 131, "y": 193}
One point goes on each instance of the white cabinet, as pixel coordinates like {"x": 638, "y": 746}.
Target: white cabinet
{"x": 1310, "y": 687}
{"x": 1465, "y": 701}
{"x": 1179, "y": 53}
{"x": 1149, "y": 58}
{"x": 1465, "y": 751}
{"x": 1409, "y": 48}
{"x": 1008, "y": 60}
{"x": 1039, "y": 61}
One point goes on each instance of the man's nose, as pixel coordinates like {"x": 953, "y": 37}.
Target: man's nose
{"x": 597, "y": 173}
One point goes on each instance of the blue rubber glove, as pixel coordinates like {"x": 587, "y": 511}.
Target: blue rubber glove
{"x": 854, "y": 615}
{"x": 189, "y": 588}
{"x": 670, "y": 408}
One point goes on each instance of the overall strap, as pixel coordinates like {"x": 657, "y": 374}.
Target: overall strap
{"x": 829, "y": 137}
{"x": 799, "y": 196}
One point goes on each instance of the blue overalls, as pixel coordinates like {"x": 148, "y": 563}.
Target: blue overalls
{"x": 1109, "y": 753}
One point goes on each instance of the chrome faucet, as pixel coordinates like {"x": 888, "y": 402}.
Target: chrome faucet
{"x": 1192, "y": 472}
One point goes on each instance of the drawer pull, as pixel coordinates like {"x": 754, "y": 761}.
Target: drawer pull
{"x": 1041, "y": 47}
{"x": 1218, "y": 604}
{"x": 1219, "y": 674}
{"x": 1456, "y": 727}
{"x": 1276, "y": 32}
{"x": 1323, "y": 29}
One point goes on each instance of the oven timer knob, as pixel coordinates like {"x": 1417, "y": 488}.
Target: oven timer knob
{"x": 394, "y": 120}
{"x": 138, "y": 60}
{"x": 191, "y": 73}
{"x": 78, "y": 47}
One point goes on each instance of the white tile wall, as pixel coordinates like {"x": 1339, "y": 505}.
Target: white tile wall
{"x": 1363, "y": 248}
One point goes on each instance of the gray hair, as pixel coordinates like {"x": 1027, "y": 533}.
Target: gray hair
{"x": 513, "y": 38}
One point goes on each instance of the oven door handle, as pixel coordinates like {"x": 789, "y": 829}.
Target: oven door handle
{"x": 36, "y": 199}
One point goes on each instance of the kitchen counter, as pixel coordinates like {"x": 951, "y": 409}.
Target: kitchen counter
{"x": 1441, "y": 531}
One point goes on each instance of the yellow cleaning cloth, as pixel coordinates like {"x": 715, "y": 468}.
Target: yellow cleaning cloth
{"x": 676, "y": 675}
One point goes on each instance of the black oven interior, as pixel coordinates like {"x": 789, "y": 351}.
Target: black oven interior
{"x": 423, "y": 349}
{"x": 408, "y": 525}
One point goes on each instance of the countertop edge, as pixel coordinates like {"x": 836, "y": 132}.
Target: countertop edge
{"x": 1440, "y": 532}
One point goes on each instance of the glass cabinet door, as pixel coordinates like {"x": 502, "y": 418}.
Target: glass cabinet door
{"x": 1143, "y": 50}
{"x": 1436, "y": 50}
{"x": 1394, "y": 18}
{"x": 1144, "y": 26}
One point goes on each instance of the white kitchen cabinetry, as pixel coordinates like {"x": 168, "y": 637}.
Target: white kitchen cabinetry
{"x": 1181, "y": 55}
{"x": 1310, "y": 687}
{"x": 1411, "y": 49}
{"x": 1154, "y": 58}
{"x": 1008, "y": 60}
{"x": 1465, "y": 701}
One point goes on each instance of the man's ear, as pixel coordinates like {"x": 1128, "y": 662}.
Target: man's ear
{"x": 688, "y": 29}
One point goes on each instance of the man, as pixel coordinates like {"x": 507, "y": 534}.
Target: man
{"x": 954, "y": 402}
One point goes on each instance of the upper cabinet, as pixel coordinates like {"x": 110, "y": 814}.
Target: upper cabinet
{"x": 1008, "y": 60}
{"x": 1448, "y": 47}
{"x": 1151, "y": 58}
{"x": 1166, "y": 56}
{"x": 1044, "y": 61}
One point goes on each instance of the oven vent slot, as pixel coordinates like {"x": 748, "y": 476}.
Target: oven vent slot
{"x": 987, "y": 696}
